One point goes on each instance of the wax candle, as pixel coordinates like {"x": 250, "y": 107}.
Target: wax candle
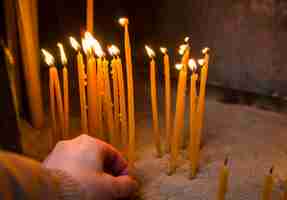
{"x": 90, "y": 15}
{"x": 65, "y": 90}
{"x": 153, "y": 88}
{"x": 268, "y": 185}
{"x": 82, "y": 86}
{"x": 123, "y": 110}
{"x": 108, "y": 105}
{"x": 193, "y": 147}
{"x": 168, "y": 126}
{"x": 179, "y": 112}
{"x": 131, "y": 123}
{"x": 100, "y": 97}
{"x": 88, "y": 45}
{"x": 114, "y": 51}
{"x": 223, "y": 181}
{"x": 201, "y": 99}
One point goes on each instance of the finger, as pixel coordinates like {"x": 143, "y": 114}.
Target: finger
{"x": 114, "y": 162}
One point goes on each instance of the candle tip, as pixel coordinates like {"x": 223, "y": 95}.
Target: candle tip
{"x": 201, "y": 62}
{"x": 186, "y": 39}
{"x": 192, "y": 64}
{"x": 123, "y": 21}
{"x": 163, "y": 50}
{"x": 49, "y": 59}
{"x": 62, "y": 53}
{"x": 113, "y": 50}
{"x": 205, "y": 50}
{"x": 75, "y": 43}
{"x": 182, "y": 48}
{"x": 178, "y": 66}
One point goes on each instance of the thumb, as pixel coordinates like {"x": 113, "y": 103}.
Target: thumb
{"x": 123, "y": 186}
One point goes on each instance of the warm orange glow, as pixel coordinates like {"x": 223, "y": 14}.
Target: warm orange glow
{"x": 123, "y": 21}
{"x": 178, "y": 66}
{"x": 75, "y": 43}
{"x": 163, "y": 50}
{"x": 182, "y": 49}
{"x": 88, "y": 42}
{"x": 192, "y": 64}
{"x": 114, "y": 50}
{"x": 49, "y": 59}
{"x": 149, "y": 51}
{"x": 98, "y": 49}
{"x": 186, "y": 39}
{"x": 205, "y": 50}
{"x": 201, "y": 62}
{"x": 62, "y": 53}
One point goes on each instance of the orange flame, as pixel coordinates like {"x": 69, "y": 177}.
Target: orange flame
{"x": 149, "y": 51}
{"x": 114, "y": 50}
{"x": 182, "y": 49}
{"x": 75, "y": 43}
{"x": 178, "y": 66}
{"x": 123, "y": 21}
{"x": 192, "y": 64}
{"x": 205, "y": 50}
{"x": 62, "y": 53}
{"x": 163, "y": 50}
{"x": 49, "y": 59}
{"x": 201, "y": 62}
{"x": 186, "y": 39}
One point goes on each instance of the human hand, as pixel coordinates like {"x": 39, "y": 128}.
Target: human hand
{"x": 97, "y": 166}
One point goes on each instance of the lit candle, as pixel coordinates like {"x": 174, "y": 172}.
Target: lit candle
{"x": 201, "y": 100}
{"x": 55, "y": 93}
{"x": 82, "y": 86}
{"x": 114, "y": 51}
{"x": 90, "y": 15}
{"x": 123, "y": 110}
{"x": 193, "y": 147}
{"x": 180, "y": 106}
{"x": 65, "y": 91}
{"x": 153, "y": 85}
{"x": 89, "y": 43}
{"x": 268, "y": 185}
{"x": 223, "y": 181}
{"x": 108, "y": 105}
{"x": 100, "y": 99}
{"x": 131, "y": 151}
{"x": 168, "y": 126}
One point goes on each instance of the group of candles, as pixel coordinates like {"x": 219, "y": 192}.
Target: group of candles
{"x": 197, "y": 104}
{"x": 104, "y": 106}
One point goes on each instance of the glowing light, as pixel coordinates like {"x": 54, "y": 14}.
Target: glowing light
{"x": 163, "y": 50}
{"x": 205, "y": 50}
{"x": 182, "y": 49}
{"x": 98, "y": 49}
{"x": 186, "y": 39}
{"x": 49, "y": 59}
{"x": 192, "y": 64}
{"x": 178, "y": 66}
{"x": 123, "y": 21}
{"x": 114, "y": 50}
{"x": 75, "y": 43}
{"x": 62, "y": 53}
{"x": 149, "y": 51}
{"x": 201, "y": 62}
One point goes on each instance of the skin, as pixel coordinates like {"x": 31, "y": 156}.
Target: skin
{"x": 96, "y": 165}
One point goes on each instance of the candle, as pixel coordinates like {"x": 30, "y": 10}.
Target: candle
{"x": 108, "y": 105}
{"x": 90, "y": 15}
{"x": 223, "y": 181}
{"x": 201, "y": 100}
{"x": 193, "y": 147}
{"x": 65, "y": 91}
{"x": 131, "y": 123}
{"x": 123, "y": 110}
{"x": 168, "y": 126}
{"x": 49, "y": 59}
{"x": 180, "y": 105}
{"x": 100, "y": 91}
{"x": 82, "y": 85}
{"x": 114, "y": 52}
{"x": 153, "y": 85}
{"x": 268, "y": 185}
{"x": 88, "y": 44}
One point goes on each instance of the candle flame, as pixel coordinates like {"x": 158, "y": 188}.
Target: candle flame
{"x": 182, "y": 49}
{"x": 192, "y": 64}
{"x": 114, "y": 50}
{"x": 123, "y": 21}
{"x": 201, "y": 62}
{"x": 49, "y": 59}
{"x": 62, "y": 53}
{"x": 90, "y": 44}
{"x": 75, "y": 43}
{"x": 205, "y": 50}
{"x": 149, "y": 51}
{"x": 163, "y": 50}
{"x": 178, "y": 66}
{"x": 186, "y": 39}
{"x": 98, "y": 49}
